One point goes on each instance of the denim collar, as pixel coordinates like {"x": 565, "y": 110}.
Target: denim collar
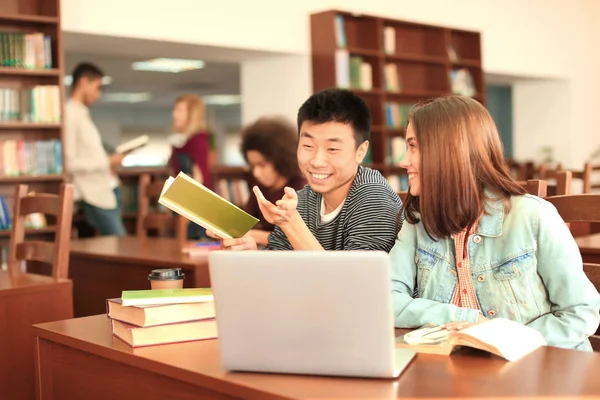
{"x": 490, "y": 223}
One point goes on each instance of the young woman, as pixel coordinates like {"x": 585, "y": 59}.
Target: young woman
{"x": 269, "y": 146}
{"x": 473, "y": 245}
{"x": 190, "y": 152}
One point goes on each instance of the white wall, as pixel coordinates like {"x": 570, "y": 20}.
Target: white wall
{"x": 536, "y": 38}
{"x": 275, "y": 85}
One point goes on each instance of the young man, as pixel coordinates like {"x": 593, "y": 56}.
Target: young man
{"x": 90, "y": 168}
{"x": 345, "y": 206}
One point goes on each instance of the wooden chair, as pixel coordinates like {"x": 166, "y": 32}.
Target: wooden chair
{"x": 31, "y": 298}
{"x": 582, "y": 208}
{"x": 164, "y": 222}
{"x": 535, "y": 187}
{"x": 585, "y": 175}
{"x": 517, "y": 169}
{"x": 55, "y": 254}
{"x": 595, "y": 169}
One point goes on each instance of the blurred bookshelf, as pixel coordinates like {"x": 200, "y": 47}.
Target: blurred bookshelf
{"x": 31, "y": 102}
{"x": 392, "y": 65}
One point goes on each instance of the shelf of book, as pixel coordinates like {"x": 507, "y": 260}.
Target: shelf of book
{"x": 31, "y": 99}
{"x": 14, "y": 71}
{"x": 27, "y": 125}
{"x": 32, "y": 178}
{"x": 392, "y": 65}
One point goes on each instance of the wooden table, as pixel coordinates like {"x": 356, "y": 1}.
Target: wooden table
{"x": 25, "y": 300}
{"x": 80, "y": 359}
{"x": 589, "y": 246}
{"x": 102, "y": 267}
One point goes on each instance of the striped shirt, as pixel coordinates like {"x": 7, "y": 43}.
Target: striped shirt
{"x": 368, "y": 219}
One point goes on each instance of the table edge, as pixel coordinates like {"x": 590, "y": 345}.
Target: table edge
{"x": 176, "y": 373}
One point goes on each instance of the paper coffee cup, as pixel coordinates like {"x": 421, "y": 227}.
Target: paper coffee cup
{"x": 167, "y": 278}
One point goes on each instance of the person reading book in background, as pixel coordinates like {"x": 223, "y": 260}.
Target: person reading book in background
{"x": 269, "y": 145}
{"x": 190, "y": 147}
{"x": 474, "y": 245}
{"x": 90, "y": 169}
{"x": 345, "y": 206}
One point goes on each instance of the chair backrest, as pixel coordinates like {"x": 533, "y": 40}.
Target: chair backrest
{"x": 577, "y": 207}
{"x": 535, "y": 187}
{"x": 54, "y": 253}
{"x": 585, "y": 175}
{"x": 162, "y": 221}
{"x": 595, "y": 169}
{"x": 517, "y": 169}
{"x": 582, "y": 208}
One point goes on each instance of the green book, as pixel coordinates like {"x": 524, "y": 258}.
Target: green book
{"x": 165, "y": 296}
{"x": 201, "y": 205}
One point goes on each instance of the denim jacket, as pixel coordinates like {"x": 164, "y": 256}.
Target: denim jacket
{"x": 525, "y": 266}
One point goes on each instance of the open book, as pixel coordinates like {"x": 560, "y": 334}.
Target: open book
{"x": 132, "y": 144}
{"x": 503, "y": 337}
{"x": 201, "y": 205}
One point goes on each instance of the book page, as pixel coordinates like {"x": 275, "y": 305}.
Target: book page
{"x": 132, "y": 144}
{"x": 168, "y": 183}
{"x": 511, "y": 339}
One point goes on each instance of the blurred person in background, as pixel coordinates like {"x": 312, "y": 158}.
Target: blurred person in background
{"x": 90, "y": 169}
{"x": 269, "y": 145}
{"x": 190, "y": 147}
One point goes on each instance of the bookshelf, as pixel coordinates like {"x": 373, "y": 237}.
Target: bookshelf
{"x": 392, "y": 65}
{"x": 31, "y": 98}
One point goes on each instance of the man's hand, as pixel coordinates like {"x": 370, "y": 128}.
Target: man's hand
{"x": 246, "y": 242}
{"x": 116, "y": 159}
{"x": 282, "y": 211}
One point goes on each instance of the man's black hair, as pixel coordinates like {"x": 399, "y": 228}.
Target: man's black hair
{"x": 338, "y": 105}
{"x": 87, "y": 70}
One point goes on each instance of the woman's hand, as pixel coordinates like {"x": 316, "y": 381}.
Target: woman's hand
{"x": 459, "y": 325}
{"x": 282, "y": 211}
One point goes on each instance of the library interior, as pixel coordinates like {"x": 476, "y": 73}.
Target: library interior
{"x": 189, "y": 203}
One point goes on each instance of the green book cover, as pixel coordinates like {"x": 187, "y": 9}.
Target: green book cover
{"x": 201, "y": 205}
{"x": 165, "y": 296}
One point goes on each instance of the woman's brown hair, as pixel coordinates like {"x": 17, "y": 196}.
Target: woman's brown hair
{"x": 461, "y": 157}
{"x": 277, "y": 140}
{"x": 196, "y": 121}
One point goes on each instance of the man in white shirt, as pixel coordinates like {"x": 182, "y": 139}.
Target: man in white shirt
{"x": 90, "y": 169}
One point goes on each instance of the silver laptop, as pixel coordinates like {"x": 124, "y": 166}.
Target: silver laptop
{"x": 304, "y": 312}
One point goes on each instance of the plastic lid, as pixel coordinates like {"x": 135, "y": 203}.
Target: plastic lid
{"x": 166, "y": 274}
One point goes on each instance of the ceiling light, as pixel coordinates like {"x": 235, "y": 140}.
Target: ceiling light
{"x": 173, "y": 65}
{"x": 106, "y": 80}
{"x": 127, "y": 97}
{"x": 222, "y": 99}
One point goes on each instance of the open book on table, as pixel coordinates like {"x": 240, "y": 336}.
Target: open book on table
{"x": 196, "y": 202}
{"x": 502, "y": 337}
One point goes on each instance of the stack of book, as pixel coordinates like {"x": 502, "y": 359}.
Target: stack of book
{"x": 152, "y": 317}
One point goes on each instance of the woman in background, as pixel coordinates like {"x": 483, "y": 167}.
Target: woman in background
{"x": 191, "y": 147}
{"x": 269, "y": 145}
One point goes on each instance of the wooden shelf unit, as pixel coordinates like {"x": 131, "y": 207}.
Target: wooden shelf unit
{"x": 30, "y": 17}
{"x": 421, "y": 55}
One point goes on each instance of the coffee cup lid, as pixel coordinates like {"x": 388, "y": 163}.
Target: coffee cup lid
{"x": 166, "y": 274}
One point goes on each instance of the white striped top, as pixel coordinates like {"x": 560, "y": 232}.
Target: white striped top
{"x": 368, "y": 219}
